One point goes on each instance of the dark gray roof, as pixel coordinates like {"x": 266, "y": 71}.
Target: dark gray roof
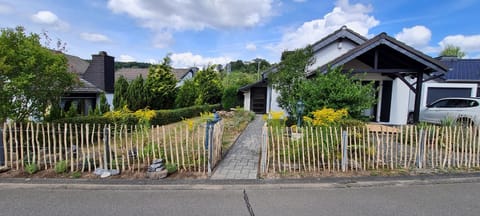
{"x": 84, "y": 86}
{"x": 462, "y": 69}
{"x": 131, "y": 73}
{"x": 384, "y": 39}
{"x": 342, "y": 33}
{"x": 76, "y": 64}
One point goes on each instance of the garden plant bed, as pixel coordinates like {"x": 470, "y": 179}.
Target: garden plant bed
{"x": 235, "y": 122}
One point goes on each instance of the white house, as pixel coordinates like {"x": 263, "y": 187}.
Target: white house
{"x": 393, "y": 66}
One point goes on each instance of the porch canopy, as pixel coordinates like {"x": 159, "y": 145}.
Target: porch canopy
{"x": 389, "y": 57}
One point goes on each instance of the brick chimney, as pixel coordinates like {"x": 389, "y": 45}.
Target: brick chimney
{"x": 101, "y": 72}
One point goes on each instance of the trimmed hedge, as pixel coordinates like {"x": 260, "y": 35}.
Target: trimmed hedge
{"x": 162, "y": 117}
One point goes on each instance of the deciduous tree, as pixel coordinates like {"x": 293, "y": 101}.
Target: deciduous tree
{"x": 453, "y": 51}
{"x": 32, "y": 77}
{"x": 160, "y": 85}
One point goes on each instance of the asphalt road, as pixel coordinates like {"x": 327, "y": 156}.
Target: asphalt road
{"x": 428, "y": 199}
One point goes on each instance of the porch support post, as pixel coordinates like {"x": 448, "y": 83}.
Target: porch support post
{"x": 418, "y": 97}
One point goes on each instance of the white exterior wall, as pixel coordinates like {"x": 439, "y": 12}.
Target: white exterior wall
{"x": 330, "y": 52}
{"x": 400, "y": 103}
{"x": 246, "y": 101}
{"x": 272, "y": 104}
{"x": 186, "y": 77}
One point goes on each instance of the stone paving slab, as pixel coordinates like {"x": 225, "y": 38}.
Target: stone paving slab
{"x": 242, "y": 160}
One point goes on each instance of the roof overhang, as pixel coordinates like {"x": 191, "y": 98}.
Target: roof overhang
{"x": 386, "y": 55}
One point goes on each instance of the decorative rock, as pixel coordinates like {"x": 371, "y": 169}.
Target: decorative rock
{"x": 159, "y": 169}
{"x": 4, "y": 169}
{"x": 157, "y": 161}
{"x": 103, "y": 173}
{"x": 157, "y": 175}
{"x": 154, "y": 166}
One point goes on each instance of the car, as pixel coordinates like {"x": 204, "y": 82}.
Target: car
{"x": 458, "y": 110}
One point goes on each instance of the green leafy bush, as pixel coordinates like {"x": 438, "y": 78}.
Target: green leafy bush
{"x": 76, "y": 174}
{"x": 31, "y": 168}
{"x": 61, "y": 167}
{"x": 171, "y": 168}
{"x": 162, "y": 117}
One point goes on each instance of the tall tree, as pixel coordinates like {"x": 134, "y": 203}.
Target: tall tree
{"x": 452, "y": 51}
{"x": 187, "y": 94}
{"x": 120, "y": 93}
{"x": 136, "y": 98}
{"x": 290, "y": 76}
{"x": 160, "y": 85}
{"x": 231, "y": 83}
{"x": 32, "y": 77}
{"x": 103, "y": 106}
{"x": 337, "y": 89}
{"x": 209, "y": 86}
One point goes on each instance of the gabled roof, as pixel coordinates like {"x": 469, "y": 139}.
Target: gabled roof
{"x": 76, "y": 64}
{"x": 462, "y": 69}
{"x": 342, "y": 33}
{"x": 131, "y": 73}
{"x": 85, "y": 87}
{"x": 430, "y": 64}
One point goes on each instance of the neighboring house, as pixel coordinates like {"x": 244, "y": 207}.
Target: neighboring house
{"x": 94, "y": 78}
{"x": 181, "y": 74}
{"x": 393, "y": 66}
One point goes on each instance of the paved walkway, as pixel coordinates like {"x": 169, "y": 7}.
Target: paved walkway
{"x": 242, "y": 160}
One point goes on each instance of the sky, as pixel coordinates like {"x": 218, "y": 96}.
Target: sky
{"x": 205, "y": 32}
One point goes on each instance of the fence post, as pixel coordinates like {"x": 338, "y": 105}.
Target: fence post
{"x": 263, "y": 161}
{"x": 106, "y": 155}
{"x": 422, "y": 148}
{"x": 209, "y": 145}
{"x": 344, "y": 150}
{"x": 2, "y": 149}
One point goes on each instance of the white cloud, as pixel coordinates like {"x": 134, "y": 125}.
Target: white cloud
{"x": 417, "y": 36}
{"x": 94, "y": 37}
{"x": 5, "y": 8}
{"x": 251, "y": 47}
{"x": 125, "y": 58}
{"x": 50, "y": 19}
{"x": 166, "y": 17}
{"x": 187, "y": 59}
{"x": 355, "y": 16}
{"x": 468, "y": 43}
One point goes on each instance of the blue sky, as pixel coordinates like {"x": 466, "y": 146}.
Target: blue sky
{"x": 201, "y": 32}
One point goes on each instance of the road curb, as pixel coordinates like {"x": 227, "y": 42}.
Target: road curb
{"x": 228, "y": 185}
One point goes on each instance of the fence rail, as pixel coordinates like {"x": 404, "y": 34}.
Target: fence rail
{"x": 358, "y": 149}
{"x": 85, "y": 147}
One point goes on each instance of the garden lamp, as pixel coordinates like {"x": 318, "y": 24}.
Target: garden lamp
{"x": 300, "y": 109}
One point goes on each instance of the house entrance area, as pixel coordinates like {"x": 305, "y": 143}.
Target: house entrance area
{"x": 258, "y": 100}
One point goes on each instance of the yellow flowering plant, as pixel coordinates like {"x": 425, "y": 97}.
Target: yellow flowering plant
{"x": 325, "y": 117}
{"x": 276, "y": 119}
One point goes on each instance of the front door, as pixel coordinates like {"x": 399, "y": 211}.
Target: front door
{"x": 258, "y": 100}
{"x": 386, "y": 101}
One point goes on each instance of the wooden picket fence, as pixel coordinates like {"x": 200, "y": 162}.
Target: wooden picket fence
{"x": 130, "y": 148}
{"x": 316, "y": 149}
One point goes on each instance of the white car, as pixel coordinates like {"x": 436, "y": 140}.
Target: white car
{"x": 458, "y": 110}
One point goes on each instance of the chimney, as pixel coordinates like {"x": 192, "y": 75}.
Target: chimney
{"x": 101, "y": 72}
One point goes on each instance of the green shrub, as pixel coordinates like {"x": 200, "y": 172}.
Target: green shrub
{"x": 162, "y": 117}
{"x": 76, "y": 174}
{"x": 31, "y": 168}
{"x": 61, "y": 167}
{"x": 171, "y": 168}
{"x": 351, "y": 123}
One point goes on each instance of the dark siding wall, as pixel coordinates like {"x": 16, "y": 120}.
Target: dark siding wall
{"x": 435, "y": 93}
{"x": 101, "y": 72}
